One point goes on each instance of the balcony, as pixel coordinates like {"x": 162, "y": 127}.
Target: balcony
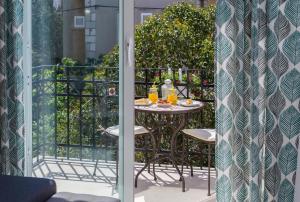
{"x": 72, "y": 103}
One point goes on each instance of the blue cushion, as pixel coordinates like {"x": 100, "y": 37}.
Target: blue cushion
{"x": 25, "y": 189}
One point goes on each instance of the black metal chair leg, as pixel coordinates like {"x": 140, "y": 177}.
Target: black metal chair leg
{"x": 192, "y": 170}
{"x": 190, "y": 160}
{"x": 201, "y": 157}
{"x": 187, "y": 152}
{"x": 183, "y": 154}
{"x": 95, "y": 169}
{"x": 154, "y": 174}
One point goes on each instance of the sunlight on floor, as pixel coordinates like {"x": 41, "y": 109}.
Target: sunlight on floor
{"x": 168, "y": 189}
{"x": 77, "y": 177}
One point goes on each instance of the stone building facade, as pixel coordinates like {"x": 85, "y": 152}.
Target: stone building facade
{"x": 100, "y": 32}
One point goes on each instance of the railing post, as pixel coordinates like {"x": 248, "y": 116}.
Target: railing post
{"x": 105, "y": 113}
{"x": 68, "y": 112}
{"x": 38, "y": 117}
{"x": 202, "y": 92}
{"x": 55, "y": 121}
{"x": 43, "y": 117}
{"x": 94, "y": 114}
{"x": 174, "y": 77}
{"x": 146, "y": 79}
{"x": 160, "y": 79}
{"x": 188, "y": 83}
{"x": 80, "y": 110}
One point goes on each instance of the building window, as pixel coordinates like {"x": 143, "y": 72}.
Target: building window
{"x": 79, "y": 22}
{"x": 144, "y": 16}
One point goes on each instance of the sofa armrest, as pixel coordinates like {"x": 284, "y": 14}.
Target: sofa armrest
{"x": 72, "y": 197}
{"x": 26, "y": 189}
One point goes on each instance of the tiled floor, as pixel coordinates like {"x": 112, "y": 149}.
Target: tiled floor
{"x": 77, "y": 177}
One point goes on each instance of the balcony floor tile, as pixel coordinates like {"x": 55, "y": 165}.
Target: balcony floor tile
{"x": 77, "y": 177}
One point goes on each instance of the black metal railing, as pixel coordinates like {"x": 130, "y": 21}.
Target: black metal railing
{"x": 70, "y": 104}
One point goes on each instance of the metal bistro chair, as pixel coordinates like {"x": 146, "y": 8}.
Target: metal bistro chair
{"x": 206, "y": 136}
{"x": 113, "y": 132}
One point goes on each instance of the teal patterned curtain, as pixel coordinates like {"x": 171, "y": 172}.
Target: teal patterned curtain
{"x": 11, "y": 88}
{"x": 257, "y": 92}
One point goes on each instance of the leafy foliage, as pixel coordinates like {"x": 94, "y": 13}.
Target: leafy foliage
{"x": 182, "y": 35}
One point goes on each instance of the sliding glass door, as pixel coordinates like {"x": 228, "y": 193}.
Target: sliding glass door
{"x": 79, "y": 67}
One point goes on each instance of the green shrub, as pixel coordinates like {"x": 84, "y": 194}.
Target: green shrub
{"x": 182, "y": 35}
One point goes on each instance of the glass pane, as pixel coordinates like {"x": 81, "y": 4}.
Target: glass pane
{"x": 174, "y": 60}
{"x": 75, "y": 94}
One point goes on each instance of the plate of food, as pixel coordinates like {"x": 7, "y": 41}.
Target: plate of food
{"x": 164, "y": 104}
{"x": 190, "y": 103}
{"x": 142, "y": 102}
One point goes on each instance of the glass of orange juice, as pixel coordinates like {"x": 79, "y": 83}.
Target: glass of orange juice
{"x": 172, "y": 96}
{"x": 153, "y": 94}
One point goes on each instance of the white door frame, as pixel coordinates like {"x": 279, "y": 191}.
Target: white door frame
{"x": 126, "y": 97}
{"x": 27, "y": 68}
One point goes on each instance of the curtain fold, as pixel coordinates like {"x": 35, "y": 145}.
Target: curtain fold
{"x": 257, "y": 97}
{"x": 11, "y": 88}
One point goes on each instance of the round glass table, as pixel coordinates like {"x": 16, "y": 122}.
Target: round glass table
{"x": 158, "y": 119}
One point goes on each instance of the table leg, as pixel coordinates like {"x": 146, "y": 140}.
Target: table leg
{"x": 175, "y": 123}
{"x": 189, "y": 157}
{"x": 148, "y": 163}
{"x": 137, "y": 175}
{"x": 173, "y": 159}
{"x": 176, "y": 128}
{"x": 152, "y": 128}
{"x": 183, "y": 157}
{"x": 146, "y": 152}
{"x": 155, "y": 150}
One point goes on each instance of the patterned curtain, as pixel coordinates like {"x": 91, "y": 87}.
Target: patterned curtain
{"x": 11, "y": 88}
{"x": 257, "y": 92}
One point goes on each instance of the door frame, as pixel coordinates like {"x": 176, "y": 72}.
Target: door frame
{"x": 27, "y": 70}
{"x": 126, "y": 100}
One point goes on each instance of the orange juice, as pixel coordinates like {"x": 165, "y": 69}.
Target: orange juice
{"x": 153, "y": 94}
{"x": 172, "y": 97}
{"x": 153, "y": 97}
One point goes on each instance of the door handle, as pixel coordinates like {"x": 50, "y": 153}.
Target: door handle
{"x": 130, "y": 52}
